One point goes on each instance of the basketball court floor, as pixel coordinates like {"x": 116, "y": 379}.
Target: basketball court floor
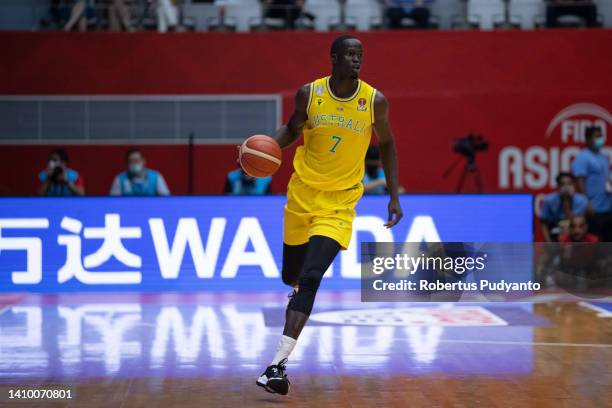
{"x": 207, "y": 349}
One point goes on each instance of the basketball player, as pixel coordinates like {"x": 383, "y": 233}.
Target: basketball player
{"x": 336, "y": 115}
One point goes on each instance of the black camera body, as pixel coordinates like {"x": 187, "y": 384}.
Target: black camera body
{"x": 469, "y": 145}
{"x": 57, "y": 172}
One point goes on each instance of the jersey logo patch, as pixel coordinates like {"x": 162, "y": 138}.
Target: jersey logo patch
{"x": 362, "y": 105}
{"x": 319, "y": 90}
{"x": 319, "y": 102}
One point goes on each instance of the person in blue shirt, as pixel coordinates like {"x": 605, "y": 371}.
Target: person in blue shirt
{"x": 561, "y": 205}
{"x": 374, "y": 176}
{"x": 416, "y": 10}
{"x": 240, "y": 183}
{"x": 374, "y": 181}
{"x": 59, "y": 180}
{"x": 138, "y": 180}
{"x": 592, "y": 170}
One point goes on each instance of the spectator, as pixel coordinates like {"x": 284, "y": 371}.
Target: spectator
{"x": 55, "y": 17}
{"x": 119, "y": 16}
{"x": 374, "y": 181}
{"x": 288, "y": 10}
{"x": 167, "y": 15}
{"x": 59, "y": 180}
{"x": 592, "y": 170}
{"x": 579, "y": 259}
{"x": 584, "y": 9}
{"x": 416, "y": 10}
{"x": 138, "y": 180}
{"x": 578, "y": 231}
{"x": 80, "y": 12}
{"x": 374, "y": 176}
{"x": 240, "y": 183}
{"x": 561, "y": 205}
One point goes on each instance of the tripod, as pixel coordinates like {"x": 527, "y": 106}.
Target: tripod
{"x": 470, "y": 169}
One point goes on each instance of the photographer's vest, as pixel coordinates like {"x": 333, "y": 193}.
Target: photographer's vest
{"x": 259, "y": 186}
{"x": 146, "y": 186}
{"x": 60, "y": 189}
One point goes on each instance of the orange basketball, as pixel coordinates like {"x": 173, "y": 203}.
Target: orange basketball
{"x": 260, "y": 156}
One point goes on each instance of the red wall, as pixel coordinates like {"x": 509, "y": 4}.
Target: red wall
{"x": 506, "y": 85}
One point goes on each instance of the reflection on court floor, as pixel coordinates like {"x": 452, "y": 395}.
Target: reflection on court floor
{"x": 50, "y": 335}
{"x": 98, "y": 342}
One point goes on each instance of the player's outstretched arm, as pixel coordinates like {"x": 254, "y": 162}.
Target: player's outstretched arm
{"x": 388, "y": 156}
{"x": 291, "y": 132}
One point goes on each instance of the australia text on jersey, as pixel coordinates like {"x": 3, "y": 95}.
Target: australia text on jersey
{"x": 339, "y": 121}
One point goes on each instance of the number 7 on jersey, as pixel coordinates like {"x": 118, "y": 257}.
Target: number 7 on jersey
{"x": 337, "y": 139}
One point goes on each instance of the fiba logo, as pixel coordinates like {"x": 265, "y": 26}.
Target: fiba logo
{"x": 536, "y": 167}
{"x": 573, "y": 121}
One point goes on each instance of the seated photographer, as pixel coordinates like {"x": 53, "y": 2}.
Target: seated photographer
{"x": 561, "y": 205}
{"x": 374, "y": 176}
{"x": 584, "y": 9}
{"x": 374, "y": 181}
{"x": 579, "y": 260}
{"x": 138, "y": 180}
{"x": 240, "y": 183}
{"x": 59, "y": 180}
{"x": 578, "y": 231}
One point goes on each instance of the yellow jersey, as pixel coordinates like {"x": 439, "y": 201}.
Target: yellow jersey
{"x": 336, "y": 137}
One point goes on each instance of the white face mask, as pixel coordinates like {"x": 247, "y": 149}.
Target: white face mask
{"x": 135, "y": 168}
{"x": 53, "y": 164}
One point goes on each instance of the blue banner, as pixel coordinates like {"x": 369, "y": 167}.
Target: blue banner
{"x": 214, "y": 243}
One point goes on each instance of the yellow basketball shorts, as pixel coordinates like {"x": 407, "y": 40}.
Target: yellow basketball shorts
{"x": 310, "y": 211}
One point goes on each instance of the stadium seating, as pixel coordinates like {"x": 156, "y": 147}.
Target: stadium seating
{"x": 243, "y": 13}
{"x": 364, "y": 14}
{"x": 201, "y": 13}
{"x": 604, "y": 10}
{"x": 240, "y": 15}
{"x": 485, "y": 13}
{"x": 445, "y": 11}
{"x": 326, "y": 13}
{"x": 22, "y": 14}
{"x": 527, "y": 12}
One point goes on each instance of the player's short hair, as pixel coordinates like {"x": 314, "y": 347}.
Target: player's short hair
{"x": 63, "y": 155}
{"x": 131, "y": 151}
{"x": 590, "y": 131}
{"x": 564, "y": 174}
{"x": 338, "y": 44}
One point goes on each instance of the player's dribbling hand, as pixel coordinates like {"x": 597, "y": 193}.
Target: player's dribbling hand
{"x": 395, "y": 213}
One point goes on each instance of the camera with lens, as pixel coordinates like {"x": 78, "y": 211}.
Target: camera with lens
{"x": 469, "y": 145}
{"x": 57, "y": 173}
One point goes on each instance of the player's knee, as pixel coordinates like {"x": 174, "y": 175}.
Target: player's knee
{"x": 311, "y": 279}
{"x": 289, "y": 278}
{"x": 302, "y": 301}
